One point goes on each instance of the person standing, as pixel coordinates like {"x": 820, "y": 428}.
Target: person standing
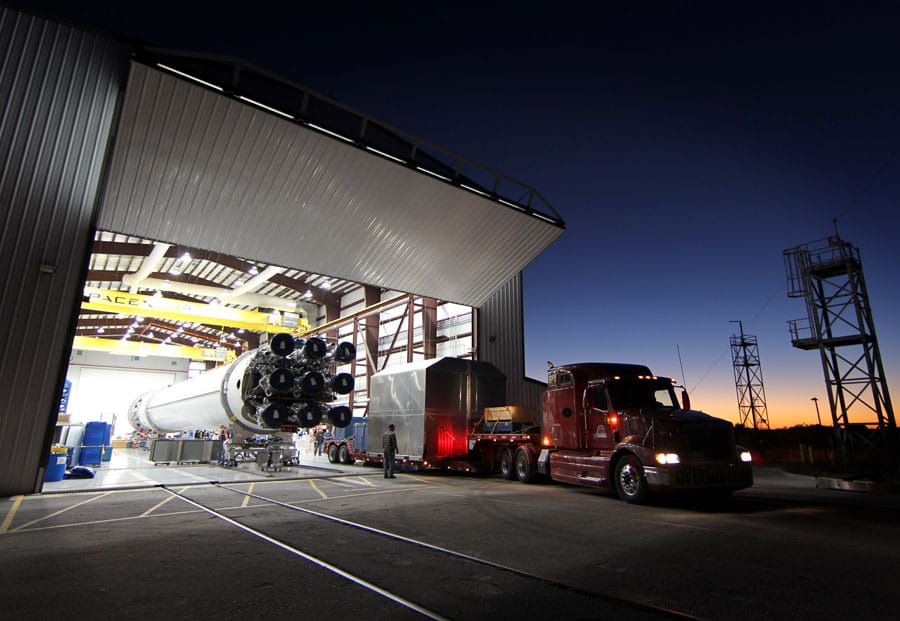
{"x": 389, "y": 446}
{"x": 319, "y": 441}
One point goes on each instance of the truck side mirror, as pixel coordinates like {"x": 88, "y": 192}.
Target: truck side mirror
{"x": 685, "y": 400}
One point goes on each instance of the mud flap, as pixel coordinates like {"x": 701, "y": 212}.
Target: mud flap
{"x": 543, "y": 462}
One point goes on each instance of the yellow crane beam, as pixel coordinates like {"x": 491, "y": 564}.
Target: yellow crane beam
{"x": 134, "y": 348}
{"x": 138, "y": 305}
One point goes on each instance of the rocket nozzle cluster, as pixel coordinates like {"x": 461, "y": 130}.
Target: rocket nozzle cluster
{"x": 294, "y": 382}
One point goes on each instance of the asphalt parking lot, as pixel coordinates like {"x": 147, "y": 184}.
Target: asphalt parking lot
{"x": 447, "y": 546}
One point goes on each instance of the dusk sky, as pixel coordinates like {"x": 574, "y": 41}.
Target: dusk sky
{"x": 686, "y": 144}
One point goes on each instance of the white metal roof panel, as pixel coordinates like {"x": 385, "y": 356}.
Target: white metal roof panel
{"x": 196, "y": 167}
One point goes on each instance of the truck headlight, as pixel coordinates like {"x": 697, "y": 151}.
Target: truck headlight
{"x": 667, "y": 458}
{"x": 745, "y": 456}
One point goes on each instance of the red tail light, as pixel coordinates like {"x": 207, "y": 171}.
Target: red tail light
{"x": 613, "y": 421}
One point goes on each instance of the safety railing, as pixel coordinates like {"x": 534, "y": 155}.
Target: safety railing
{"x": 256, "y": 86}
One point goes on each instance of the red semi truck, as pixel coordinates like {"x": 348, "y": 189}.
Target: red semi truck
{"x": 615, "y": 427}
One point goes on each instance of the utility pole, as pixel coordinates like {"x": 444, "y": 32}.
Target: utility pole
{"x": 816, "y": 401}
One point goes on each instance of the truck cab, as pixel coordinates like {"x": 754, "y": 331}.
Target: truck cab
{"x": 620, "y": 428}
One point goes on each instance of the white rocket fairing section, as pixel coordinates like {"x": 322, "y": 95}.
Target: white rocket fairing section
{"x": 290, "y": 382}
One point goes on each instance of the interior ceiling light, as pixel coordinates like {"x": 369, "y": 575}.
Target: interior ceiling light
{"x": 253, "y": 271}
{"x": 326, "y": 285}
{"x": 101, "y": 330}
{"x": 308, "y": 294}
{"x": 238, "y": 283}
{"x": 181, "y": 264}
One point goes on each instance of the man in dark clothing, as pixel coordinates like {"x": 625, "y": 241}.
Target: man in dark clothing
{"x": 389, "y": 446}
{"x": 319, "y": 440}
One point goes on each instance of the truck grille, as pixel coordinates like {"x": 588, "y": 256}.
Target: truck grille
{"x": 708, "y": 442}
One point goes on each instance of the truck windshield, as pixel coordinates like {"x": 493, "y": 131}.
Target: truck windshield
{"x": 637, "y": 393}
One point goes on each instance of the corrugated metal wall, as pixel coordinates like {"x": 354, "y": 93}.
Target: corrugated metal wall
{"x": 58, "y": 93}
{"x": 501, "y": 341}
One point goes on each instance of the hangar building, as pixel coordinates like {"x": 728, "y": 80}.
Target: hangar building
{"x": 135, "y": 177}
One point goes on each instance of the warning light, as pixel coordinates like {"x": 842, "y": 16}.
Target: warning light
{"x": 546, "y": 441}
{"x": 613, "y": 421}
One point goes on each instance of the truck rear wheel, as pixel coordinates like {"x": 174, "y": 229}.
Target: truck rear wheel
{"x": 333, "y": 453}
{"x": 344, "y": 455}
{"x": 507, "y": 467}
{"x": 525, "y": 470}
{"x": 631, "y": 484}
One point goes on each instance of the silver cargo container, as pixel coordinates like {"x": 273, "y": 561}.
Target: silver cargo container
{"x": 434, "y": 404}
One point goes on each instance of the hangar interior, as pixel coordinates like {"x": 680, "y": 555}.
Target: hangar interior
{"x": 200, "y": 203}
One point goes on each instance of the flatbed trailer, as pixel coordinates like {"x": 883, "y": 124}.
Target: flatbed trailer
{"x": 611, "y": 426}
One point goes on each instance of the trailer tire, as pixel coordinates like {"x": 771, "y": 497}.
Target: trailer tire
{"x": 525, "y": 470}
{"x": 333, "y": 453}
{"x": 507, "y": 466}
{"x": 631, "y": 484}
{"x": 344, "y": 455}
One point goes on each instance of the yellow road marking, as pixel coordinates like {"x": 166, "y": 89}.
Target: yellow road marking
{"x": 161, "y": 503}
{"x": 316, "y": 487}
{"x": 404, "y": 490}
{"x": 335, "y": 481}
{"x": 424, "y": 480}
{"x": 364, "y": 480}
{"x": 247, "y": 498}
{"x": 61, "y": 511}
{"x": 12, "y": 513}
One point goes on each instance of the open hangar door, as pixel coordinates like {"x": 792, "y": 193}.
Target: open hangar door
{"x": 195, "y": 310}
{"x": 271, "y": 172}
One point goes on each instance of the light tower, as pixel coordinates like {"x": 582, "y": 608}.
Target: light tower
{"x": 828, "y": 274}
{"x": 748, "y": 382}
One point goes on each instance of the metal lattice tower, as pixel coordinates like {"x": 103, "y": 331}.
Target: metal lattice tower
{"x": 828, "y": 274}
{"x": 748, "y": 382}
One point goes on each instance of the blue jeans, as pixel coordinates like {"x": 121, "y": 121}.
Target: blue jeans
{"x": 388, "y": 463}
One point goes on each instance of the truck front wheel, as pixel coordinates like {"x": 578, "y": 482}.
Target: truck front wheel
{"x": 507, "y": 467}
{"x": 525, "y": 470}
{"x": 631, "y": 485}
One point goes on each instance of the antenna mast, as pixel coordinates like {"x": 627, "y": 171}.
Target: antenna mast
{"x": 748, "y": 382}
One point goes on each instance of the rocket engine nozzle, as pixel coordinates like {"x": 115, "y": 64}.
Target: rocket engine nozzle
{"x": 289, "y": 382}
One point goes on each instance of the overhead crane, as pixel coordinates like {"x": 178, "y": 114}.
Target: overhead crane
{"x": 122, "y": 302}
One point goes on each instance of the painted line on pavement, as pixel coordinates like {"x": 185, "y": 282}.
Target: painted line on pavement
{"x": 12, "y": 513}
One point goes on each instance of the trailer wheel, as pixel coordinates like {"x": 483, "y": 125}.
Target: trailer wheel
{"x": 333, "y": 453}
{"x": 507, "y": 467}
{"x": 344, "y": 455}
{"x": 525, "y": 470}
{"x": 631, "y": 484}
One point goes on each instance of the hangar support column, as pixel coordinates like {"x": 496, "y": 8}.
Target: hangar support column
{"x": 429, "y": 327}
{"x": 372, "y": 323}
